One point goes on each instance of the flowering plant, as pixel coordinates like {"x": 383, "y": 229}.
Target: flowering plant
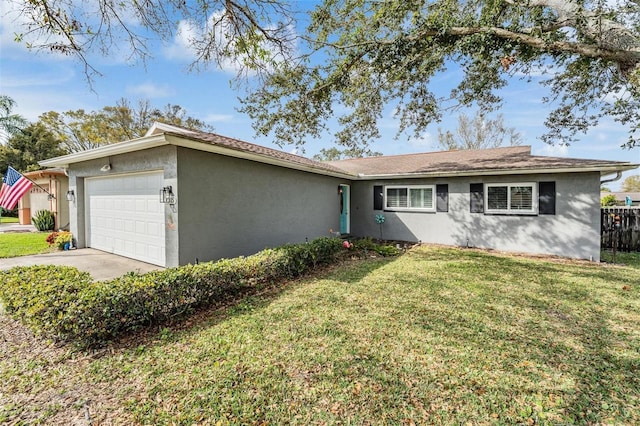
{"x": 51, "y": 238}
{"x": 63, "y": 238}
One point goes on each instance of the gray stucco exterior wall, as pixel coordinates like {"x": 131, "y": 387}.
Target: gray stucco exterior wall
{"x": 155, "y": 159}
{"x": 231, "y": 207}
{"x": 227, "y": 207}
{"x": 574, "y": 231}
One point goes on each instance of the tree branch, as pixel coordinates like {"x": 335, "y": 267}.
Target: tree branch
{"x": 583, "y": 49}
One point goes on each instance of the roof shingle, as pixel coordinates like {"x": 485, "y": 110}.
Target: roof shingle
{"x": 452, "y": 162}
{"x": 242, "y": 146}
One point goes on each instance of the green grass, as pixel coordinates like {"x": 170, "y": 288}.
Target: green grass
{"x": 7, "y": 219}
{"x": 13, "y": 244}
{"x": 628, "y": 259}
{"x": 437, "y": 336}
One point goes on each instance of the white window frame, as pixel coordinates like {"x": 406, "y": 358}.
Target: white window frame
{"x": 409, "y": 207}
{"x": 508, "y": 210}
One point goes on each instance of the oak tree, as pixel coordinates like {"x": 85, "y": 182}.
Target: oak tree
{"x": 353, "y": 59}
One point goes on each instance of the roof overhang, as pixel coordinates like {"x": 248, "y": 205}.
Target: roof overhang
{"x": 602, "y": 169}
{"x": 163, "y": 139}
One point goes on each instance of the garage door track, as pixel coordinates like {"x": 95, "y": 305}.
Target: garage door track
{"x": 101, "y": 265}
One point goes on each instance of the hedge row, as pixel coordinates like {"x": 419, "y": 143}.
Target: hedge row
{"x": 65, "y": 304}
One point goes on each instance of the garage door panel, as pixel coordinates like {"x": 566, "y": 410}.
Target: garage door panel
{"x": 125, "y": 216}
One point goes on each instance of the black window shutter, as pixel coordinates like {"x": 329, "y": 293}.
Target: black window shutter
{"x": 476, "y": 191}
{"x": 442, "y": 198}
{"x": 547, "y": 198}
{"x": 378, "y": 197}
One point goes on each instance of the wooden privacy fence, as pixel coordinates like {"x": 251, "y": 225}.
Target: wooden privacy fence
{"x": 626, "y": 237}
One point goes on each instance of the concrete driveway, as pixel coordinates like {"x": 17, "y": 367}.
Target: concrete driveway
{"x": 102, "y": 266}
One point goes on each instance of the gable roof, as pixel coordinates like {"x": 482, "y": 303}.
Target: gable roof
{"x": 163, "y": 134}
{"x": 509, "y": 160}
{"x": 260, "y": 151}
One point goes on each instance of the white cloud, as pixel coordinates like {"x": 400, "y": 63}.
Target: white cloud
{"x": 557, "y": 150}
{"x": 189, "y": 34}
{"x": 425, "y": 142}
{"x": 13, "y": 24}
{"x": 182, "y": 47}
{"x": 151, "y": 90}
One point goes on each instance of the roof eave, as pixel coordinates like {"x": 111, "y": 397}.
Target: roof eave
{"x": 603, "y": 170}
{"x": 106, "y": 151}
{"x": 154, "y": 141}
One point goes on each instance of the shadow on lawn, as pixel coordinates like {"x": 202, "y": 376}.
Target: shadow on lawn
{"x": 560, "y": 326}
{"x": 237, "y": 303}
{"x": 538, "y": 321}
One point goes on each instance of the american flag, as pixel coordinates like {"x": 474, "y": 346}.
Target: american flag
{"x": 14, "y": 186}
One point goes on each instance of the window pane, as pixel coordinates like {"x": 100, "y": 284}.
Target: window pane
{"x": 397, "y": 197}
{"x": 497, "y": 198}
{"x": 521, "y": 198}
{"x": 421, "y": 198}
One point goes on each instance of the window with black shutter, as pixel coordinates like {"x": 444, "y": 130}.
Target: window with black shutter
{"x": 476, "y": 191}
{"x": 442, "y": 198}
{"x": 378, "y": 197}
{"x": 547, "y": 198}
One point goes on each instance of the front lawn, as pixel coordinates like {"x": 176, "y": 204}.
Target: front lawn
{"x": 8, "y": 219}
{"x": 13, "y": 244}
{"x": 436, "y": 336}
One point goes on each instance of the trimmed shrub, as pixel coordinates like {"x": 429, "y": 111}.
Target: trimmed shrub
{"x": 44, "y": 220}
{"x": 65, "y": 304}
{"x": 40, "y": 296}
{"x": 366, "y": 245}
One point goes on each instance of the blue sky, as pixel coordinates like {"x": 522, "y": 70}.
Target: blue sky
{"x": 44, "y": 82}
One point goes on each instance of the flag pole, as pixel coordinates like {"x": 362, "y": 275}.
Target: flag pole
{"x": 51, "y": 196}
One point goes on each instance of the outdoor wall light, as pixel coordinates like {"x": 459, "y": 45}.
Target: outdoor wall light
{"x": 71, "y": 195}
{"x": 105, "y": 168}
{"x": 167, "y": 196}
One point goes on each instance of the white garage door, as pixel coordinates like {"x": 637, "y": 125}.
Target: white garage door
{"x": 125, "y": 216}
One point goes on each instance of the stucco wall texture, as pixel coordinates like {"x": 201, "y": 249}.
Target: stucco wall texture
{"x": 230, "y": 207}
{"x": 161, "y": 158}
{"x": 574, "y": 231}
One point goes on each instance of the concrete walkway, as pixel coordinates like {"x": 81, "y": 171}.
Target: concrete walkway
{"x": 102, "y": 266}
{"x": 16, "y": 227}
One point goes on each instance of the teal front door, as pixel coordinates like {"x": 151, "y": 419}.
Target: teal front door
{"x": 345, "y": 225}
